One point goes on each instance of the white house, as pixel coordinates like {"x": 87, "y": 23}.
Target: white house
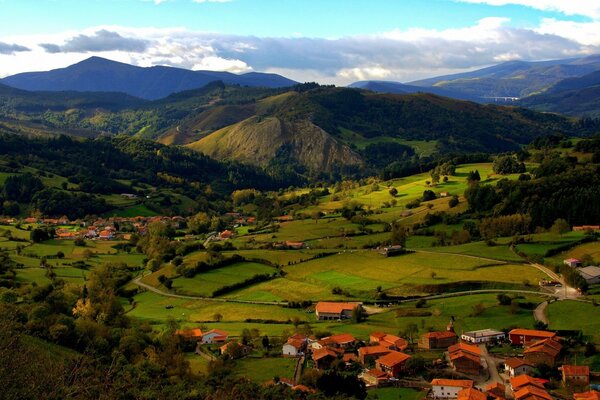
{"x": 482, "y": 336}
{"x": 295, "y": 345}
{"x": 449, "y": 388}
{"x": 516, "y": 366}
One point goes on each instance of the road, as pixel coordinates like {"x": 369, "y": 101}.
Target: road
{"x": 491, "y": 366}
{"x": 540, "y": 313}
{"x": 565, "y": 291}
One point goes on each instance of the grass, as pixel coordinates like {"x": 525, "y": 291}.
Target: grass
{"x": 139, "y": 210}
{"x": 592, "y": 249}
{"x": 206, "y": 283}
{"x": 571, "y": 315}
{"x": 391, "y": 393}
{"x": 261, "y": 370}
{"x": 481, "y": 249}
{"x": 544, "y": 242}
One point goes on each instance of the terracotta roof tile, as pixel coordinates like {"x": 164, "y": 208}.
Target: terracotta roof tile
{"x": 464, "y": 383}
{"x": 393, "y": 358}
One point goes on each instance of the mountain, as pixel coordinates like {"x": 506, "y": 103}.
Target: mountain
{"x": 514, "y": 79}
{"x": 401, "y": 88}
{"x": 101, "y": 75}
{"x": 574, "y": 96}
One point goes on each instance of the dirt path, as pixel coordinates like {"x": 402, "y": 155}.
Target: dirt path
{"x": 540, "y": 313}
{"x": 492, "y": 367}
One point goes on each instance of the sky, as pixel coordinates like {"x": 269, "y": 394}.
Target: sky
{"x": 328, "y": 41}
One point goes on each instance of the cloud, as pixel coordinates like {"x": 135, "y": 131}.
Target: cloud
{"x": 100, "y": 41}
{"x": 211, "y": 1}
{"x": 588, "y": 8}
{"x": 9, "y": 49}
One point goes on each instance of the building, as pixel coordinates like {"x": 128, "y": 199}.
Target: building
{"x": 370, "y": 353}
{"x": 390, "y": 341}
{"x": 496, "y": 390}
{"x": 572, "y": 262}
{"x": 586, "y": 228}
{"x": 542, "y": 352}
{"x": 323, "y": 357}
{"x": 214, "y": 336}
{"x": 516, "y": 366}
{"x": 522, "y": 381}
{"x": 235, "y": 350}
{"x": 374, "y": 377}
{"x": 294, "y": 245}
{"x": 482, "y": 336}
{"x": 449, "y": 388}
{"x": 437, "y": 340}
{"x": 226, "y": 234}
{"x": 393, "y": 250}
{"x": 295, "y": 345}
{"x": 527, "y": 336}
{"x": 532, "y": 393}
{"x": 342, "y": 341}
{"x": 190, "y": 335}
{"x": 465, "y": 358}
{"x": 471, "y": 394}
{"x": 575, "y": 375}
{"x": 591, "y": 274}
{"x": 333, "y": 311}
{"x": 591, "y": 395}
{"x": 392, "y": 363}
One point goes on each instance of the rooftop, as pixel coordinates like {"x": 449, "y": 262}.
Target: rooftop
{"x": 393, "y": 358}
{"x": 464, "y": 383}
{"x": 335, "y": 308}
{"x": 575, "y": 370}
{"x": 532, "y": 332}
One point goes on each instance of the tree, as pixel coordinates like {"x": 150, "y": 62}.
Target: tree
{"x": 199, "y": 223}
{"x": 393, "y": 192}
{"x": 473, "y": 176}
{"x": 428, "y": 195}
{"x": 265, "y": 342}
{"x": 316, "y": 215}
{"x": 503, "y": 299}
{"x": 433, "y": 274}
{"x": 560, "y": 227}
{"x": 410, "y": 331}
{"x": 358, "y": 314}
{"x": 217, "y": 317}
{"x": 453, "y": 202}
{"x": 399, "y": 234}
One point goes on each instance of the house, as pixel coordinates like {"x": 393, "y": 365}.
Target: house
{"x": 369, "y": 353}
{"x": 482, "y": 336}
{"x": 444, "y": 194}
{"x": 295, "y": 345}
{"x": 449, "y": 388}
{"x": 591, "y": 274}
{"x": 226, "y": 234}
{"x": 323, "y": 357}
{"x": 390, "y": 341}
{"x": 543, "y": 352}
{"x": 532, "y": 393}
{"x": 190, "y": 335}
{"x": 294, "y": 245}
{"x": 586, "y": 228}
{"x": 393, "y": 250}
{"x": 572, "y": 262}
{"x": 496, "y": 390}
{"x": 471, "y": 394}
{"x": 235, "y": 350}
{"x": 522, "y": 381}
{"x": 214, "y": 336}
{"x": 527, "y": 336}
{"x": 106, "y": 235}
{"x": 591, "y": 395}
{"x": 465, "y": 358}
{"x": 341, "y": 341}
{"x": 437, "y": 340}
{"x": 374, "y": 377}
{"x": 326, "y": 310}
{"x": 392, "y": 363}
{"x": 575, "y": 375}
{"x": 516, "y": 366}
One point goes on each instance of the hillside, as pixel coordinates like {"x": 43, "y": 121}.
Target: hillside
{"x": 574, "y": 96}
{"x": 101, "y": 75}
{"x": 401, "y": 88}
{"x": 514, "y": 78}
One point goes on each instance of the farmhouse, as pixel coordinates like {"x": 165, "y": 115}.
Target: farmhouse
{"x": 449, "y": 388}
{"x": 591, "y": 274}
{"x": 516, "y": 366}
{"x": 294, "y": 245}
{"x": 496, "y": 390}
{"x": 374, "y": 377}
{"x": 390, "y": 251}
{"x": 392, "y": 363}
{"x": 465, "y": 358}
{"x": 190, "y": 335}
{"x": 527, "y": 336}
{"x": 323, "y": 357}
{"x": 214, "y": 336}
{"x": 369, "y": 353}
{"x": 471, "y": 394}
{"x": 532, "y": 393}
{"x": 482, "y": 336}
{"x": 235, "y": 350}
{"x": 575, "y": 375}
{"x": 390, "y": 341}
{"x": 572, "y": 262}
{"x": 437, "y": 340}
{"x": 226, "y": 234}
{"x": 295, "y": 345}
{"x": 333, "y": 311}
{"x": 543, "y": 352}
{"x": 523, "y": 381}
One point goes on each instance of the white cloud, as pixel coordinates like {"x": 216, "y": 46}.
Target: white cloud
{"x": 211, "y": 1}
{"x": 213, "y": 63}
{"x": 588, "y": 8}
{"x": 587, "y": 33}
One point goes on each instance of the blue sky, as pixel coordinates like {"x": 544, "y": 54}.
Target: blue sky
{"x": 335, "y": 41}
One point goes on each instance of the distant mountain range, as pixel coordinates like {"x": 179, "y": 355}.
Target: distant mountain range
{"x": 101, "y": 75}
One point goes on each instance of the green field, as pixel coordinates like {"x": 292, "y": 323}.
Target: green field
{"x": 396, "y": 394}
{"x": 262, "y": 370}
{"x": 205, "y": 283}
{"x": 573, "y": 315}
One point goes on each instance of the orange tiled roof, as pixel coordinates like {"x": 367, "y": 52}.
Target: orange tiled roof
{"x": 532, "y": 392}
{"x": 469, "y": 348}
{"x": 548, "y": 346}
{"x": 219, "y": 332}
{"x": 197, "y": 332}
{"x": 334, "y": 308}
{"x": 532, "y": 332}
{"x": 471, "y": 394}
{"x": 369, "y": 350}
{"x": 377, "y": 373}
{"x": 575, "y": 370}
{"x": 349, "y": 357}
{"x": 464, "y": 383}
{"x": 297, "y": 343}
{"x": 591, "y": 395}
{"x": 322, "y": 353}
{"x": 515, "y": 362}
{"x": 496, "y": 389}
{"x": 342, "y": 338}
{"x": 524, "y": 380}
{"x": 439, "y": 335}
{"x": 393, "y": 358}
